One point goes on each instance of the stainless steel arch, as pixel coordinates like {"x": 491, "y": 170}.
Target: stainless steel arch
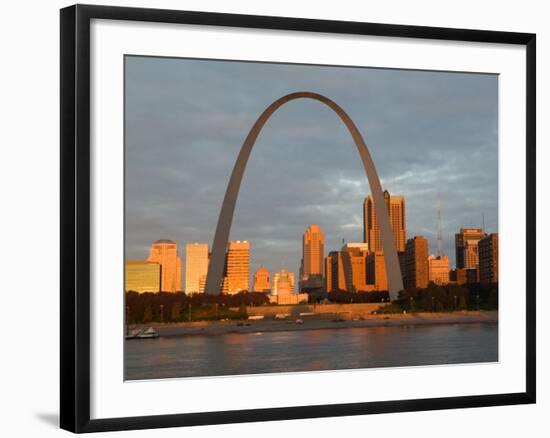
{"x": 217, "y": 260}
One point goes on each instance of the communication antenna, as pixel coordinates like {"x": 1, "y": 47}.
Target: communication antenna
{"x": 483, "y": 221}
{"x": 439, "y": 230}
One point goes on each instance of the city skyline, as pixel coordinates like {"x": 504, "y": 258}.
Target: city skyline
{"x": 270, "y": 212}
{"x": 362, "y": 270}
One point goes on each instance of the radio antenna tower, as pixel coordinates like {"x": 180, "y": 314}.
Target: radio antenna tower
{"x": 439, "y": 230}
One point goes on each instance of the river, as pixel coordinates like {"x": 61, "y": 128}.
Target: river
{"x": 310, "y": 350}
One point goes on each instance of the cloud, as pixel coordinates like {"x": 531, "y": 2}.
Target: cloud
{"x": 432, "y": 135}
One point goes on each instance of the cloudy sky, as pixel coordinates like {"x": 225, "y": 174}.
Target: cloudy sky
{"x": 432, "y": 135}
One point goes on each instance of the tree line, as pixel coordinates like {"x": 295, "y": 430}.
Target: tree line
{"x": 342, "y": 296}
{"x": 176, "y": 307}
{"x": 446, "y": 298}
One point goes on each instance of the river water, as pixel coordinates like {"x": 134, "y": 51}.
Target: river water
{"x": 310, "y": 350}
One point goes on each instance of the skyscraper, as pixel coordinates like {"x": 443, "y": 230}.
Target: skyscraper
{"x": 165, "y": 253}
{"x": 354, "y": 258}
{"x": 335, "y": 272}
{"x": 237, "y": 267}
{"x": 261, "y": 280}
{"x": 466, "y": 247}
{"x": 328, "y": 272}
{"x": 416, "y": 263}
{"x": 488, "y": 259}
{"x": 371, "y": 229}
{"x": 313, "y": 254}
{"x": 313, "y": 250}
{"x": 346, "y": 270}
{"x": 376, "y": 271}
{"x": 196, "y": 267}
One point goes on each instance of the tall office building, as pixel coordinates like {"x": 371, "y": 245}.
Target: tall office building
{"x": 261, "y": 280}
{"x": 438, "y": 269}
{"x": 396, "y": 212}
{"x": 335, "y": 276}
{"x": 345, "y": 270}
{"x": 376, "y": 271}
{"x": 416, "y": 263}
{"x": 488, "y": 259}
{"x": 202, "y": 282}
{"x": 313, "y": 251}
{"x": 142, "y": 276}
{"x": 196, "y": 267}
{"x": 458, "y": 276}
{"x": 328, "y": 273}
{"x": 165, "y": 253}
{"x": 466, "y": 247}
{"x": 237, "y": 267}
{"x": 354, "y": 258}
{"x": 312, "y": 264}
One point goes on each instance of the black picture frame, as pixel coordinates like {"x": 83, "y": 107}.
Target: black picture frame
{"x": 75, "y": 217}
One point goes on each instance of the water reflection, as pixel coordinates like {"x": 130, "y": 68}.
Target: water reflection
{"x": 310, "y": 350}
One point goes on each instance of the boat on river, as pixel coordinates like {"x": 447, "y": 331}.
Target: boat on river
{"x": 142, "y": 333}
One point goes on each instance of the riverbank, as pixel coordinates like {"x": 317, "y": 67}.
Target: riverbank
{"x": 312, "y": 322}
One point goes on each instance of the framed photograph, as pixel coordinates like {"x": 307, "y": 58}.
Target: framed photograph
{"x": 268, "y": 218}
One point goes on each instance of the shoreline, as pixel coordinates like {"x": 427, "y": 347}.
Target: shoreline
{"x": 217, "y": 328}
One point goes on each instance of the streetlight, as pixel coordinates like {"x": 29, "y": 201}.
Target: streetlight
{"x": 454, "y": 307}
{"x": 162, "y": 313}
{"x": 433, "y": 305}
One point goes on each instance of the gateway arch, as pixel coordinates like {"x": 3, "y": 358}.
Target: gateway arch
{"x": 217, "y": 260}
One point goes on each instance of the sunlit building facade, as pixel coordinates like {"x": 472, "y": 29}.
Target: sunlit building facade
{"x": 488, "y": 259}
{"x": 416, "y": 263}
{"x": 283, "y": 290}
{"x": 335, "y": 276}
{"x": 196, "y": 267}
{"x": 354, "y": 258}
{"x": 397, "y": 216}
{"x": 237, "y": 267}
{"x": 277, "y": 277}
{"x": 458, "y": 276}
{"x": 466, "y": 241}
{"x": 165, "y": 253}
{"x": 376, "y": 271}
{"x": 313, "y": 254}
{"x": 261, "y": 280}
{"x": 313, "y": 251}
{"x": 438, "y": 269}
{"x": 142, "y": 276}
{"x": 346, "y": 270}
